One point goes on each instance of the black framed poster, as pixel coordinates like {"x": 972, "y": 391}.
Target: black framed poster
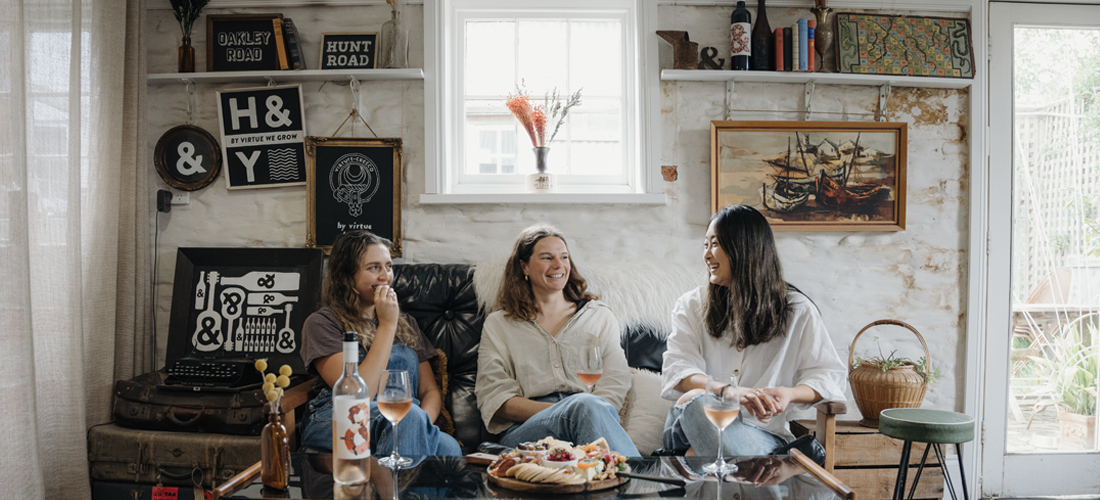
{"x": 263, "y": 136}
{"x": 353, "y": 183}
{"x": 245, "y": 42}
{"x": 348, "y": 50}
{"x": 187, "y": 158}
{"x": 243, "y": 303}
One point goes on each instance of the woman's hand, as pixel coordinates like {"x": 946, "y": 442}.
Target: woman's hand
{"x": 765, "y": 403}
{"x": 386, "y": 308}
{"x": 765, "y": 471}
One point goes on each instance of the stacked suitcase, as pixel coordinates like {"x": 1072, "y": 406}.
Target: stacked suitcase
{"x": 194, "y": 439}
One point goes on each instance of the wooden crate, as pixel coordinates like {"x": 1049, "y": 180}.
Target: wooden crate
{"x": 867, "y": 462}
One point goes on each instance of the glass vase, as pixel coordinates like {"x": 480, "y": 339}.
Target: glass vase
{"x": 186, "y": 56}
{"x": 541, "y": 181}
{"x": 274, "y": 450}
{"x": 393, "y": 49}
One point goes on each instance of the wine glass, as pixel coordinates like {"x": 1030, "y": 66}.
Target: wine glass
{"x": 394, "y": 401}
{"x": 721, "y": 404}
{"x": 589, "y": 363}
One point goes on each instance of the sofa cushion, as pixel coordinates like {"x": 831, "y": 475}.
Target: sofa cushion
{"x": 643, "y": 414}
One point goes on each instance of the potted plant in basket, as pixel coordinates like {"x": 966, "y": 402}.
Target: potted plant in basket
{"x": 887, "y": 381}
{"x": 1070, "y": 373}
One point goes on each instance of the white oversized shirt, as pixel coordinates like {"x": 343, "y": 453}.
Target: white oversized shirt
{"x": 805, "y": 355}
{"x": 519, "y": 358}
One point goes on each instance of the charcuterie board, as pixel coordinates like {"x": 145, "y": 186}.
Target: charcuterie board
{"x": 517, "y": 485}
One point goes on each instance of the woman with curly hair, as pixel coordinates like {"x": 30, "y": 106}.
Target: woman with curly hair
{"x": 526, "y": 386}
{"x": 357, "y": 297}
{"x": 750, "y": 323}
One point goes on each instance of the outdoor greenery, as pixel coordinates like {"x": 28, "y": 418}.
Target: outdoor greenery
{"x": 1070, "y": 368}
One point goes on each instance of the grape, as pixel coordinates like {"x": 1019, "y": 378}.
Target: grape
{"x": 270, "y": 377}
{"x": 261, "y": 364}
{"x": 282, "y": 381}
{"x": 272, "y": 395}
{"x": 286, "y": 370}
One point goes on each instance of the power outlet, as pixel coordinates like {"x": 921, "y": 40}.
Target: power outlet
{"x": 183, "y": 198}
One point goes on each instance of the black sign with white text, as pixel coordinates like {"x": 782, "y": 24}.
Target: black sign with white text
{"x": 348, "y": 50}
{"x": 263, "y": 137}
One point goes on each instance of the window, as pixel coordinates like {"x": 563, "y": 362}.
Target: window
{"x": 481, "y": 50}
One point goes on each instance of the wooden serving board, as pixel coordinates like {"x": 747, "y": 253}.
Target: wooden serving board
{"x": 517, "y": 485}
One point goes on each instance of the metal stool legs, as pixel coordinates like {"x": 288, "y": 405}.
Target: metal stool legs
{"x": 903, "y": 471}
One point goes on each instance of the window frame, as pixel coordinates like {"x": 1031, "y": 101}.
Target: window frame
{"x": 444, "y": 102}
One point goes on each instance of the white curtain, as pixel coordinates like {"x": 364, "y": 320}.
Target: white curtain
{"x": 74, "y": 231}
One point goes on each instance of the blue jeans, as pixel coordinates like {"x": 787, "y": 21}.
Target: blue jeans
{"x": 416, "y": 434}
{"x": 687, "y": 427}
{"x": 580, "y": 418}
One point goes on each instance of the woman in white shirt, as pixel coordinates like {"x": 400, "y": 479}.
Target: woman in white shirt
{"x": 527, "y": 387}
{"x": 750, "y": 323}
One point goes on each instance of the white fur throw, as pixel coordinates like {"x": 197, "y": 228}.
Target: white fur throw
{"x": 638, "y": 292}
{"x": 643, "y": 413}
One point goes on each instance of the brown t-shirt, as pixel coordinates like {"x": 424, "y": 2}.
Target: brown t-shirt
{"x": 323, "y": 335}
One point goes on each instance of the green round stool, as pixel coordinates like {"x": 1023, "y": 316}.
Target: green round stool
{"x": 934, "y": 427}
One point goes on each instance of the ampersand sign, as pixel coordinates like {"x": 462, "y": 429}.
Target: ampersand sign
{"x": 708, "y": 61}
{"x": 187, "y": 158}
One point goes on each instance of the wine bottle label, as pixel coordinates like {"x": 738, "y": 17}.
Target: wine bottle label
{"x": 740, "y": 43}
{"x": 351, "y": 426}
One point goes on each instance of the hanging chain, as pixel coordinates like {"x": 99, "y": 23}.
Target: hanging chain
{"x": 191, "y": 102}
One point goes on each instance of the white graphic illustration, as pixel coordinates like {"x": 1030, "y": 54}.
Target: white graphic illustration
{"x": 283, "y": 164}
{"x": 354, "y": 180}
{"x": 189, "y": 163}
{"x": 208, "y": 325}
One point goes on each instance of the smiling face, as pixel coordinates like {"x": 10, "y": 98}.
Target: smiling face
{"x": 718, "y": 264}
{"x": 548, "y": 268}
{"x": 375, "y": 268}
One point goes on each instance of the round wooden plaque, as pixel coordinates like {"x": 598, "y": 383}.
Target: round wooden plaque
{"x": 187, "y": 158}
{"x": 517, "y": 485}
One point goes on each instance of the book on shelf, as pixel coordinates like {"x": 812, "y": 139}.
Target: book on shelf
{"x": 788, "y": 49}
{"x": 795, "y": 48}
{"x": 293, "y": 47}
{"x": 811, "y": 47}
{"x": 280, "y": 43}
{"x": 803, "y": 28}
{"x": 779, "y": 49}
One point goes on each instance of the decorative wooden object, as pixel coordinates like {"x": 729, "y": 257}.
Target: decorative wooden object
{"x": 709, "y": 62}
{"x": 685, "y": 53}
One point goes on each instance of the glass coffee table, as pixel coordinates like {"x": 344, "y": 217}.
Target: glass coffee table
{"x": 766, "y": 478}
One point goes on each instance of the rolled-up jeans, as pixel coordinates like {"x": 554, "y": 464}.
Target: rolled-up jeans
{"x": 688, "y": 427}
{"x": 579, "y": 418}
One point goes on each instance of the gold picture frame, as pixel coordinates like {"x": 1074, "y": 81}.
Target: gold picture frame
{"x": 353, "y": 183}
{"x": 812, "y": 176}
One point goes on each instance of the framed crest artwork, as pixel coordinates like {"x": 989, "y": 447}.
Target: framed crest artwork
{"x": 353, "y": 183}
{"x": 812, "y": 176}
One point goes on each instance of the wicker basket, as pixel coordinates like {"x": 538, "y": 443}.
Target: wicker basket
{"x": 875, "y": 390}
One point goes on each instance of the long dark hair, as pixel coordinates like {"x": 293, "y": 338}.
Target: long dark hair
{"x": 754, "y": 308}
{"x": 515, "y": 296}
{"x": 339, "y": 294}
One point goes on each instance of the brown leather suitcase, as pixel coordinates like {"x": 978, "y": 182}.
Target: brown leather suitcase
{"x": 173, "y": 458}
{"x": 144, "y": 402}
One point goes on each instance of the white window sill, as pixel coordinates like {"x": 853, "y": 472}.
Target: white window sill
{"x": 545, "y": 198}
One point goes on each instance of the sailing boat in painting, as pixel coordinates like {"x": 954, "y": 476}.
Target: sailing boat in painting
{"x": 834, "y": 174}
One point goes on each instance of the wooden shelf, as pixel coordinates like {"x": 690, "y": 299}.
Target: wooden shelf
{"x": 703, "y": 75}
{"x": 286, "y": 76}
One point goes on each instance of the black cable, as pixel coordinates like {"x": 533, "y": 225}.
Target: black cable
{"x": 153, "y": 290}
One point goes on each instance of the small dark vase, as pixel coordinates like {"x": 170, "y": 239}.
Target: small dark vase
{"x": 187, "y": 57}
{"x": 762, "y": 58}
{"x": 274, "y": 451}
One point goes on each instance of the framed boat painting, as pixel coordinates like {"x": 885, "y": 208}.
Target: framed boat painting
{"x": 812, "y": 176}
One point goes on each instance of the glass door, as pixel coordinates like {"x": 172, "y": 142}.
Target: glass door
{"x": 1043, "y": 342}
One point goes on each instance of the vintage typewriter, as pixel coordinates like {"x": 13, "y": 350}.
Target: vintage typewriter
{"x": 210, "y": 374}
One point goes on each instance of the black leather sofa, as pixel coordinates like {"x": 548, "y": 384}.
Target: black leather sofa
{"x": 444, "y": 302}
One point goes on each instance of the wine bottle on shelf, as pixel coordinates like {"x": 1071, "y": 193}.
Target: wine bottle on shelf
{"x": 762, "y": 59}
{"x": 740, "y": 41}
{"x": 350, "y": 421}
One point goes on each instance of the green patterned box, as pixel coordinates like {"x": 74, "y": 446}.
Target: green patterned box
{"x": 904, "y": 45}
